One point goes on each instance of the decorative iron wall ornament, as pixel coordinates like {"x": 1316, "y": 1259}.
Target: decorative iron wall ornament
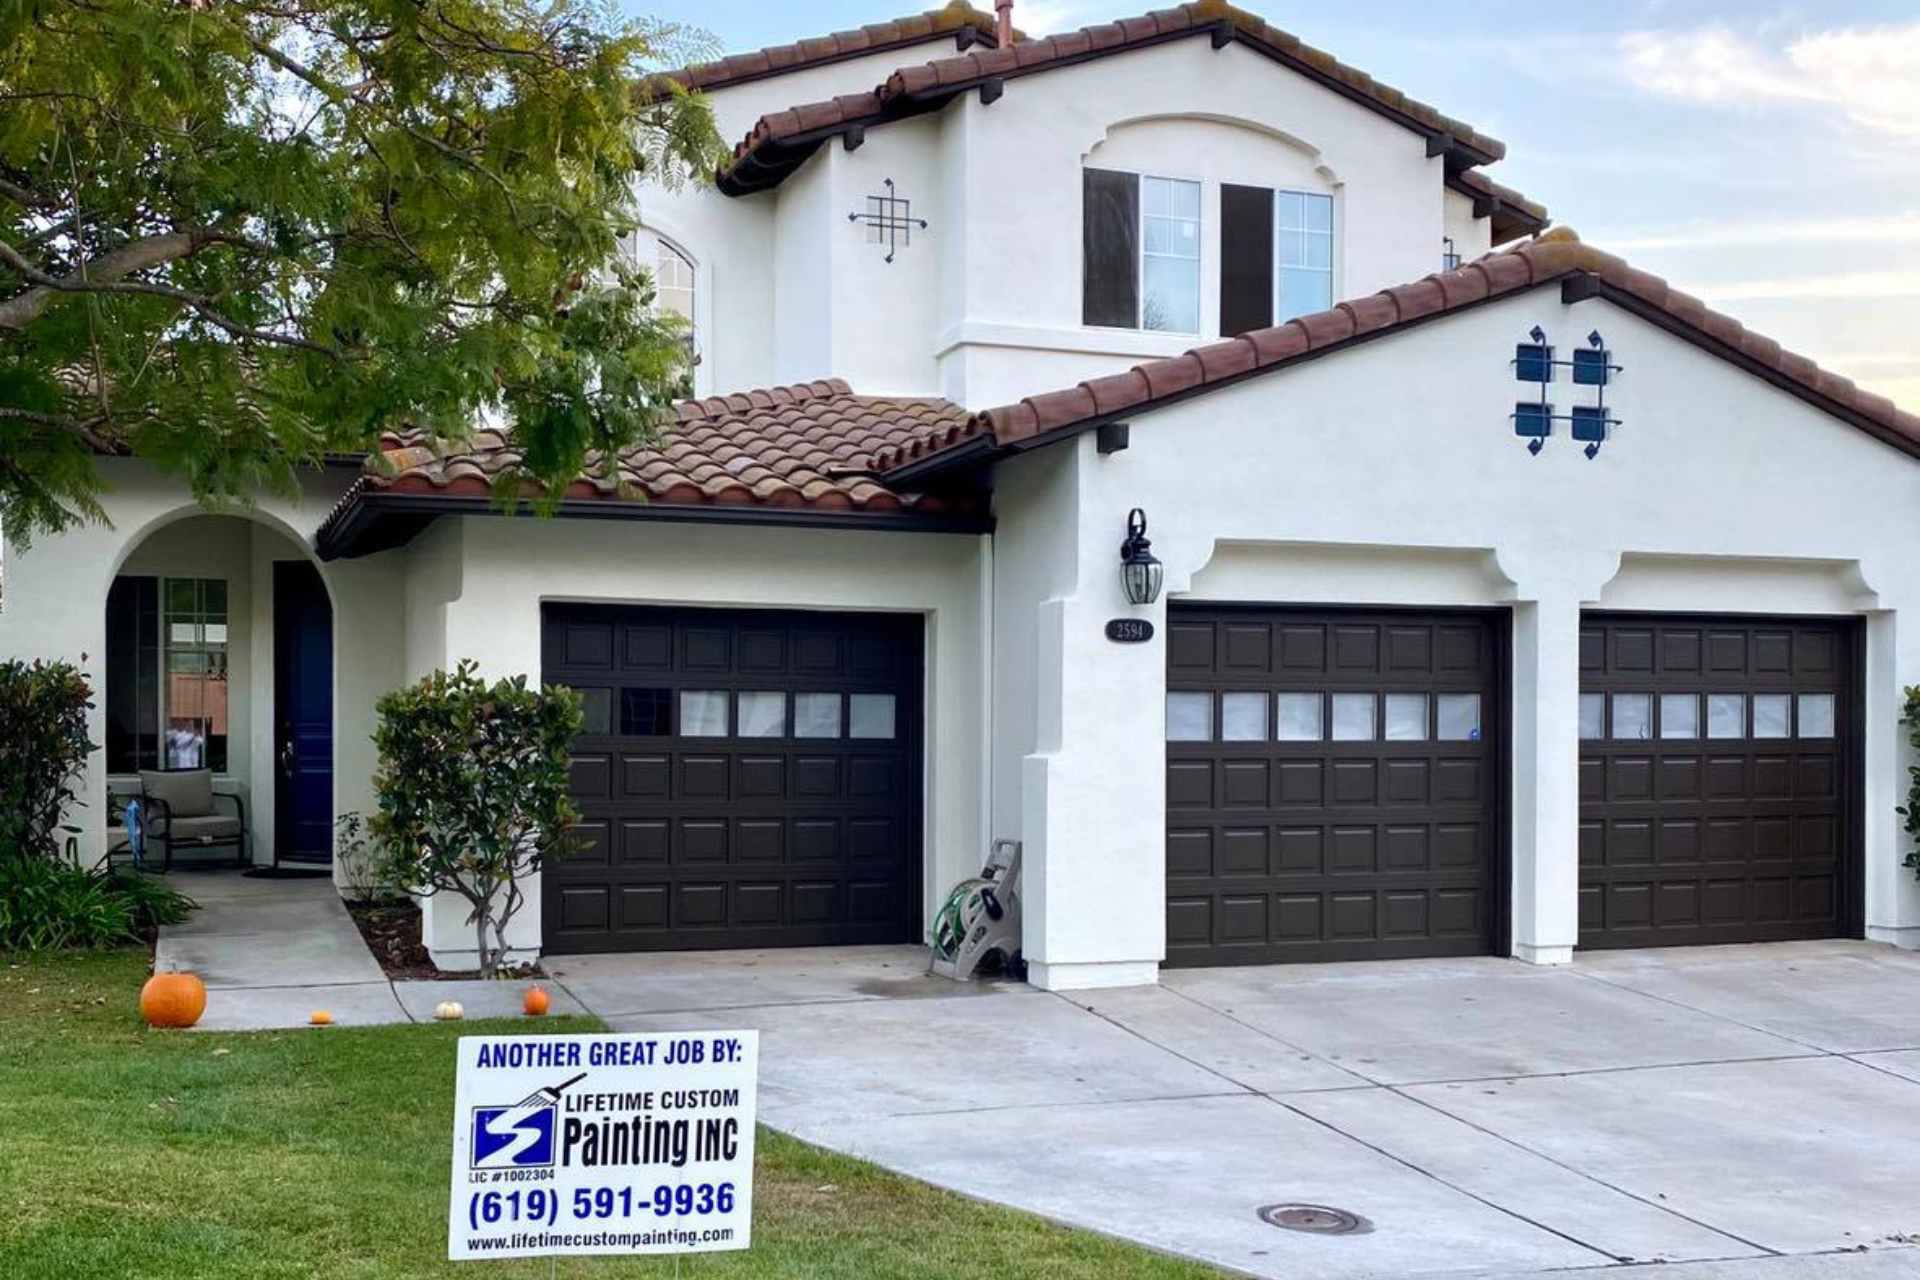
{"x": 1592, "y": 366}
{"x": 889, "y": 220}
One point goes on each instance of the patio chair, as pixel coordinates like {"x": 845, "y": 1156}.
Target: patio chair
{"x": 177, "y": 807}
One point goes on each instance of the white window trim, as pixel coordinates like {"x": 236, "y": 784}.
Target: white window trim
{"x": 1333, "y": 247}
{"x": 1199, "y": 221}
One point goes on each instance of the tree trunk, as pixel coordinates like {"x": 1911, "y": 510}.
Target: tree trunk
{"x": 488, "y": 961}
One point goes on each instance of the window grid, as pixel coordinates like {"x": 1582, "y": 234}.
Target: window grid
{"x": 1169, "y": 255}
{"x": 1302, "y": 254}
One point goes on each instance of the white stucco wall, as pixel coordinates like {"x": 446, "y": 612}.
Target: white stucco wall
{"x": 1389, "y": 474}
{"x": 56, "y": 608}
{"x": 510, "y": 567}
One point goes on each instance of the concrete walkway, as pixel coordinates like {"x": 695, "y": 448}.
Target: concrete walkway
{"x": 1729, "y": 1112}
{"x": 273, "y": 951}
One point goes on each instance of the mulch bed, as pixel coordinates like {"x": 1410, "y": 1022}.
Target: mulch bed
{"x": 392, "y": 930}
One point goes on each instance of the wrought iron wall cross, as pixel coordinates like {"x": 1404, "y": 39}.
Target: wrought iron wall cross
{"x": 887, "y": 217}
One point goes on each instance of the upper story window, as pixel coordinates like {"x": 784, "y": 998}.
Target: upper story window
{"x": 1276, "y": 256}
{"x": 1140, "y": 249}
{"x": 673, "y": 281}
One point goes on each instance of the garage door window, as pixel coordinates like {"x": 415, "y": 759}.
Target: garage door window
{"x": 763, "y": 714}
{"x": 1816, "y": 715}
{"x": 1353, "y": 717}
{"x": 1243, "y": 717}
{"x": 1726, "y": 715}
{"x": 816, "y": 715}
{"x": 596, "y": 707}
{"x": 1298, "y": 717}
{"x": 645, "y": 713}
{"x": 1593, "y": 715}
{"x": 1679, "y": 715}
{"x": 1459, "y": 718}
{"x": 1189, "y": 717}
{"x": 1406, "y": 717}
{"x": 1633, "y": 716}
{"x": 870, "y": 715}
{"x": 703, "y": 713}
{"x": 1772, "y": 714}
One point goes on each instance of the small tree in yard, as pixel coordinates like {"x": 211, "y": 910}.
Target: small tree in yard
{"x": 43, "y": 749}
{"x": 472, "y": 789}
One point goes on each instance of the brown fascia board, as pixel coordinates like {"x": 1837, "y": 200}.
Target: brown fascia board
{"x": 789, "y": 137}
{"x": 1557, "y": 257}
{"x": 1512, "y": 214}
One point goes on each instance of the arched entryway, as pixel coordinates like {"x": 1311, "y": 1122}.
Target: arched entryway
{"x": 219, "y": 656}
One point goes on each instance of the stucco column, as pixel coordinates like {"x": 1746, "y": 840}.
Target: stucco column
{"x": 1546, "y": 785}
{"x": 1094, "y": 799}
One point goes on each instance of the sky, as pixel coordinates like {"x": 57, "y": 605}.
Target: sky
{"x": 1764, "y": 157}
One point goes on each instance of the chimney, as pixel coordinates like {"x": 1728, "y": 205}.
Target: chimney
{"x": 1003, "y": 24}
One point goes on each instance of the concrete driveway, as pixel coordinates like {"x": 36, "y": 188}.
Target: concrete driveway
{"x": 1733, "y": 1112}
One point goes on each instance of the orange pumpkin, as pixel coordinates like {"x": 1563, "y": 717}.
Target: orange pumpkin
{"x": 320, "y": 1018}
{"x": 536, "y": 1002}
{"x": 173, "y": 1000}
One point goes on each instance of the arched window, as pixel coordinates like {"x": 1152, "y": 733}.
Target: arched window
{"x": 673, "y": 283}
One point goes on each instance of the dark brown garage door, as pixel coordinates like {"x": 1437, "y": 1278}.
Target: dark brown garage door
{"x": 1716, "y": 779}
{"x": 1334, "y": 784}
{"x": 746, "y": 779}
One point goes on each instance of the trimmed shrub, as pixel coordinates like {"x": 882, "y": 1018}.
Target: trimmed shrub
{"x": 43, "y": 749}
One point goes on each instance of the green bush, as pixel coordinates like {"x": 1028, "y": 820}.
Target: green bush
{"x": 43, "y": 749}
{"x": 473, "y": 792}
{"x": 51, "y": 906}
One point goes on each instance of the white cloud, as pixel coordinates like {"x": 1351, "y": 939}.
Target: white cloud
{"x": 1868, "y": 73}
{"x": 1049, "y": 17}
{"x": 1852, "y": 285}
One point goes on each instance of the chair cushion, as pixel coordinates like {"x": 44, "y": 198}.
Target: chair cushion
{"x": 188, "y": 792}
{"x": 208, "y": 827}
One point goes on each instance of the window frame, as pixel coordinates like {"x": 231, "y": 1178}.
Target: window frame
{"x": 164, "y": 646}
{"x": 1280, "y": 266}
{"x": 1199, "y": 259}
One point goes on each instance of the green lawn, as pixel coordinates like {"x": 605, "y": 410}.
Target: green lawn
{"x": 129, "y": 1152}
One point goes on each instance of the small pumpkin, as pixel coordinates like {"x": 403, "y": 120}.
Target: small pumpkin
{"x": 536, "y": 1002}
{"x": 449, "y": 1011}
{"x": 173, "y": 1000}
{"x": 320, "y": 1018}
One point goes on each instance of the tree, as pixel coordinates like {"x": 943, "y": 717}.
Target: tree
{"x": 472, "y": 789}
{"x": 238, "y": 236}
{"x": 43, "y": 753}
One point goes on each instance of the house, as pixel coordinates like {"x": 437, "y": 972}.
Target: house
{"x": 1515, "y": 604}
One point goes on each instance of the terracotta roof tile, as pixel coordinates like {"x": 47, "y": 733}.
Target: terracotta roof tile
{"x": 814, "y": 444}
{"x": 1557, "y": 255}
{"x": 945, "y": 76}
{"x": 873, "y": 37}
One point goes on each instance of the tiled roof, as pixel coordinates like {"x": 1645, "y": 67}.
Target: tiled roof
{"x": 875, "y": 37}
{"x": 760, "y": 159}
{"x": 1556, "y": 256}
{"x": 806, "y": 446}
{"x": 1513, "y": 214}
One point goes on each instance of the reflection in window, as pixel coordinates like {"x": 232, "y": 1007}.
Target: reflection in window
{"x": 1243, "y": 717}
{"x": 1593, "y": 715}
{"x": 1632, "y": 716}
{"x": 195, "y": 696}
{"x": 1170, "y": 255}
{"x": 816, "y": 715}
{"x": 1352, "y": 717}
{"x": 870, "y": 715}
{"x": 1189, "y": 717}
{"x": 1679, "y": 715}
{"x": 1772, "y": 715}
{"x": 1726, "y": 715}
{"x": 1406, "y": 717}
{"x": 596, "y": 706}
{"x": 763, "y": 714}
{"x": 1457, "y": 717}
{"x": 1816, "y": 715}
{"x": 1298, "y": 717}
{"x": 645, "y": 713}
{"x": 703, "y": 713}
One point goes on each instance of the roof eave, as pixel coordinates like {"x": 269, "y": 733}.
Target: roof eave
{"x": 373, "y": 520}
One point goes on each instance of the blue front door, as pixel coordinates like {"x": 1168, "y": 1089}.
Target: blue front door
{"x": 303, "y": 713}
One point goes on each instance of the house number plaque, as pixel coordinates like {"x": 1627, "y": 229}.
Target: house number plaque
{"x": 1129, "y": 630}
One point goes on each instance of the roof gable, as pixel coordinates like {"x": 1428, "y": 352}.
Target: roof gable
{"x": 1557, "y": 257}
{"x": 958, "y": 21}
{"x": 782, "y": 141}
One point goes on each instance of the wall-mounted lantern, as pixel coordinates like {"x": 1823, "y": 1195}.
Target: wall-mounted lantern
{"x": 1140, "y": 573}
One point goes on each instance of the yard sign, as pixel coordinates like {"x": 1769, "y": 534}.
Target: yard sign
{"x": 609, "y": 1143}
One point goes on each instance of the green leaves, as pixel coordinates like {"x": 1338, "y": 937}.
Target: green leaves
{"x": 43, "y": 751}
{"x": 235, "y": 238}
{"x": 472, "y": 789}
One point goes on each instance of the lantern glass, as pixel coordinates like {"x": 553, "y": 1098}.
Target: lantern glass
{"x": 1141, "y": 578}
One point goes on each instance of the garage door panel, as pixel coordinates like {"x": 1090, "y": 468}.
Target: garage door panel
{"x": 1319, "y": 814}
{"x": 751, "y": 778}
{"x": 1748, "y": 758}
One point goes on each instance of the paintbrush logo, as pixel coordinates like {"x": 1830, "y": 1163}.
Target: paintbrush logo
{"x": 519, "y": 1136}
